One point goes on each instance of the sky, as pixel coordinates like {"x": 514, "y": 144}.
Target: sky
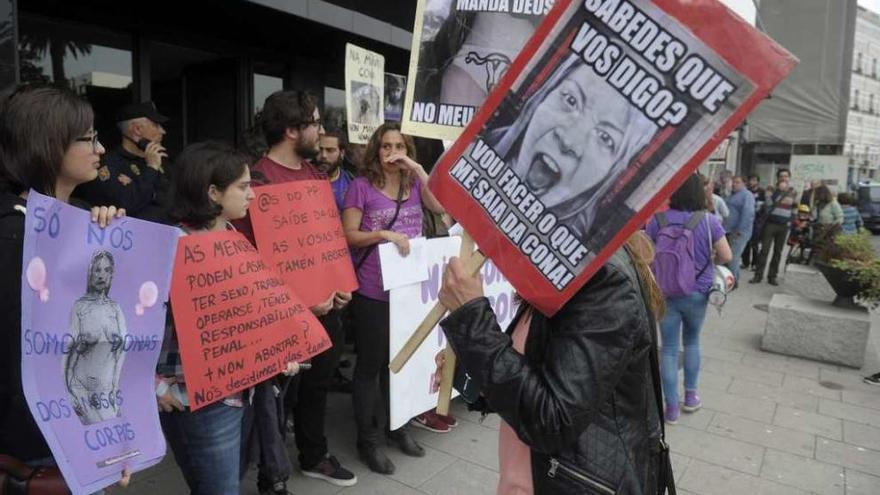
{"x": 871, "y": 5}
{"x": 746, "y": 8}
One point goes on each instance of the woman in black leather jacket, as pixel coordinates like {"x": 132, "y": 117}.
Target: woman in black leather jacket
{"x": 581, "y": 397}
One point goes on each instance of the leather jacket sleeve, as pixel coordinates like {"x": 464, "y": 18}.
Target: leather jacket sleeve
{"x": 589, "y": 344}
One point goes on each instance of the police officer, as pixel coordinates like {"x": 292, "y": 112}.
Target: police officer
{"x": 133, "y": 176}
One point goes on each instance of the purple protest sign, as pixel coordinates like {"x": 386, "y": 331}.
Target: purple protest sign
{"x": 92, "y": 323}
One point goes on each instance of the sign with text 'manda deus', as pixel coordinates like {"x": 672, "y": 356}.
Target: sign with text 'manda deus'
{"x": 607, "y": 109}
{"x": 297, "y": 227}
{"x": 237, "y": 323}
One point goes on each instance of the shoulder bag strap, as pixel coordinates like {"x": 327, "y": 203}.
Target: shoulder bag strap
{"x": 390, "y": 224}
{"x": 665, "y": 478}
{"x": 708, "y": 236}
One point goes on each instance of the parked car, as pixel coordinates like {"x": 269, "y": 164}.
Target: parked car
{"x": 869, "y": 205}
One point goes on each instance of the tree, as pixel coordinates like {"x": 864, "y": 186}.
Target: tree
{"x": 56, "y": 46}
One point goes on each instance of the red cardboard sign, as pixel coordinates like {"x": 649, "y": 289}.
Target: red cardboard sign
{"x": 237, "y": 323}
{"x": 297, "y": 227}
{"x": 608, "y": 108}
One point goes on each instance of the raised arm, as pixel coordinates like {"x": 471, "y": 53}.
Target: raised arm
{"x": 591, "y": 344}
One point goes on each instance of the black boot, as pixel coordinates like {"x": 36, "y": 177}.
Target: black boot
{"x": 375, "y": 459}
{"x": 756, "y": 279}
{"x": 772, "y": 281}
{"x": 405, "y": 442}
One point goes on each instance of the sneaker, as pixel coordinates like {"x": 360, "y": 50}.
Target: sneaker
{"x": 873, "y": 379}
{"x": 448, "y": 419}
{"x": 332, "y": 472}
{"x": 672, "y": 414}
{"x": 430, "y": 421}
{"x": 279, "y": 488}
{"x": 692, "y": 401}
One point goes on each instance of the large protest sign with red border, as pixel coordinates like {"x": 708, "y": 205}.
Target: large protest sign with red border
{"x": 608, "y": 108}
{"x": 297, "y": 227}
{"x": 237, "y": 323}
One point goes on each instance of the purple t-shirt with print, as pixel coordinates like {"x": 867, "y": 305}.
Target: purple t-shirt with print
{"x": 701, "y": 242}
{"x": 378, "y": 210}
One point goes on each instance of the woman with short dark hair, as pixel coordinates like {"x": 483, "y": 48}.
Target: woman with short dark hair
{"x": 211, "y": 187}
{"x": 685, "y": 312}
{"x": 47, "y": 144}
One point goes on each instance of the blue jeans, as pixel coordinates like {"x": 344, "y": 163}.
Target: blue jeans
{"x": 206, "y": 445}
{"x": 737, "y": 246}
{"x": 684, "y": 317}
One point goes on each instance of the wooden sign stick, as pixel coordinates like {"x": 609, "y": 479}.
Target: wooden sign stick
{"x": 471, "y": 266}
{"x": 465, "y": 253}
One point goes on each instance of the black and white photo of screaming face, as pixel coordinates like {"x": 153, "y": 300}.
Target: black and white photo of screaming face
{"x": 93, "y": 364}
{"x": 572, "y": 140}
{"x": 365, "y": 100}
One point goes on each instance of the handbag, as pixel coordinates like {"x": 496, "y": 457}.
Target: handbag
{"x": 722, "y": 277}
{"x": 17, "y": 478}
{"x": 665, "y": 477}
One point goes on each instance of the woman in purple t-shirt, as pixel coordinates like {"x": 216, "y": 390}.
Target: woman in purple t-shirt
{"x": 385, "y": 205}
{"x": 685, "y": 314}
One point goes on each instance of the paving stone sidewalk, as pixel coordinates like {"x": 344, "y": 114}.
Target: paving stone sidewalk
{"x": 771, "y": 424}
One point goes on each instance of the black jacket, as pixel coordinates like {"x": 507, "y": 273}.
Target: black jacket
{"x": 581, "y": 397}
{"x": 19, "y": 435}
{"x": 125, "y": 181}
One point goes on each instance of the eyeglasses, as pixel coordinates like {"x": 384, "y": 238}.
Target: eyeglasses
{"x": 90, "y": 139}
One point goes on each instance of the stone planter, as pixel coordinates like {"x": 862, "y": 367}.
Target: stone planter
{"x": 844, "y": 286}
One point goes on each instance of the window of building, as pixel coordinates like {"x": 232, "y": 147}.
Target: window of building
{"x": 871, "y": 103}
{"x": 859, "y": 62}
{"x": 94, "y": 62}
{"x": 855, "y": 103}
{"x": 263, "y": 87}
{"x": 874, "y": 68}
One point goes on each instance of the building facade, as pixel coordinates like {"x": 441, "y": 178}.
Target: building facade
{"x": 862, "y": 146}
{"x": 207, "y": 64}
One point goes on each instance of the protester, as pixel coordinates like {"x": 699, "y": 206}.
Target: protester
{"x": 291, "y": 126}
{"x": 383, "y": 206}
{"x": 574, "y": 391}
{"x": 134, "y": 175}
{"x": 332, "y": 146}
{"x": 212, "y": 187}
{"x": 852, "y": 220}
{"x": 685, "y": 312}
{"x": 48, "y": 144}
{"x": 780, "y": 209}
{"x": 335, "y": 162}
{"x": 753, "y": 248}
{"x": 739, "y": 222}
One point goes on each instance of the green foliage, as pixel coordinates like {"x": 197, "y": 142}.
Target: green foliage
{"x": 853, "y": 253}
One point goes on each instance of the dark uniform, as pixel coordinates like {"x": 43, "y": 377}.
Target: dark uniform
{"x": 125, "y": 181}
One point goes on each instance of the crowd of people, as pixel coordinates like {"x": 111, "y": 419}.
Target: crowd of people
{"x": 49, "y": 145}
{"x": 587, "y": 383}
